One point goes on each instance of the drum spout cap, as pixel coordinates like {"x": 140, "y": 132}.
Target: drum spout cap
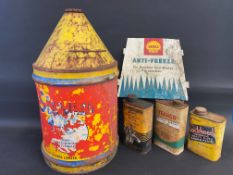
{"x": 73, "y": 10}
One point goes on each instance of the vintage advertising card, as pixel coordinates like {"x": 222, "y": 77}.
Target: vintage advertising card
{"x": 153, "y": 68}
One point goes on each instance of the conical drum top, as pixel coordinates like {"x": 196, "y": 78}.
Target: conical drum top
{"x": 74, "y": 47}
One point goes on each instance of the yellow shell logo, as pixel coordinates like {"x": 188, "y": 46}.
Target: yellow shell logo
{"x": 153, "y": 46}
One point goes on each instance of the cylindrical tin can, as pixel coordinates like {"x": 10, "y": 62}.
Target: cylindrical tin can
{"x": 170, "y": 125}
{"x": 206, "y": 133}
{"x": 138, "y": 119}
{"x": 76, "y": 82}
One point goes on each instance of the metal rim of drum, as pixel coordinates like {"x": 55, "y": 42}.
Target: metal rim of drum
{"x": 76, "y": 81}
{"x": 68, "y": 82}
{"x": 80, "y": 170}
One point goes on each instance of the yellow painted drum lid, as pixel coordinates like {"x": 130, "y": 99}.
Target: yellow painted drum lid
{"x": 74, "y": 51}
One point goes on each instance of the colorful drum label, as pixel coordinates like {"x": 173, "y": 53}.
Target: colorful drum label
{"x": 78, "y": 122}
{"x": 202, "y": 134}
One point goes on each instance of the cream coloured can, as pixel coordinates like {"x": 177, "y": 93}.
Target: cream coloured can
{"x": 170, "y": 125}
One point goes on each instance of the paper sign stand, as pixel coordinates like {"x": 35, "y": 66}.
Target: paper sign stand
{"x": 153, "y": 68}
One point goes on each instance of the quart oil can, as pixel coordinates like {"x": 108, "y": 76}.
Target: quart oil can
{"x": 206, "y": 133}
{"x": 138, "y": 119}
{"x": 170, "y": 125}
{"x": 76, "y": 82}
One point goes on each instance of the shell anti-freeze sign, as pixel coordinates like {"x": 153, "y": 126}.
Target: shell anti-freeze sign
{"x": 153, "y": 68}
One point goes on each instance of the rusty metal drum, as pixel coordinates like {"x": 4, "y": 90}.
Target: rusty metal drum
{"x": 76, "y": 83}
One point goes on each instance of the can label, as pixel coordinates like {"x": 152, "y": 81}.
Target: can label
{"x": 134, "y": 118}
{"x": 202, "y": 134}
{"x": 168, "y": 119}
{"x": 78, "y": 122}
{"x": 138, "y": 128}
{"x": 170, "y": 125}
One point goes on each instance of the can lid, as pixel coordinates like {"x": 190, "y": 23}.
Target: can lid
{"x": 204, "y": 113}
{"x": 131, "y": 98}
{"x": 74, "y": 47}
{"x": 178, "y": 103}
{"x": 199, "y": 110}
{"x": 73, "y": 10}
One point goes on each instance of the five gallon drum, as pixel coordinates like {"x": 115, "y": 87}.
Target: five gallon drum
{"x": 76, "y": 83}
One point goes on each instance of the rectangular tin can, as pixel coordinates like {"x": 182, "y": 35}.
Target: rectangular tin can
{"x": 206, "y": 133}
{"x": 170, "y": 125}
{"x": 138, "y": 119}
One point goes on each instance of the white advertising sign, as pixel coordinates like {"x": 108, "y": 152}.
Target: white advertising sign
{"x": 153, "y": 68}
